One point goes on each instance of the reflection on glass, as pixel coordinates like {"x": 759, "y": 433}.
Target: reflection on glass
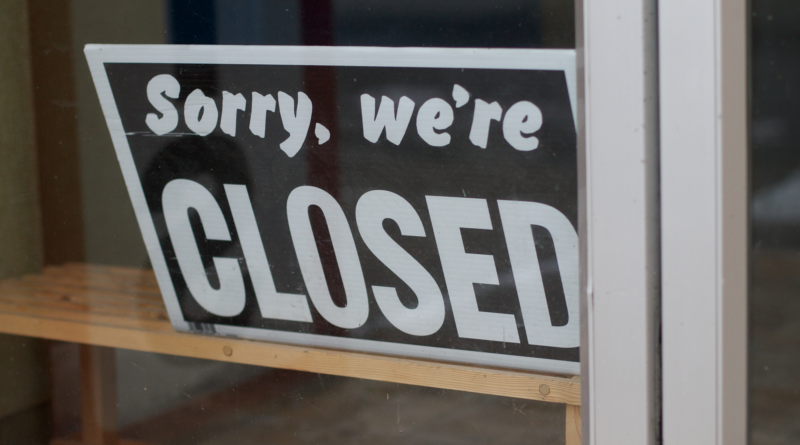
{"x": 774, "y": 396}
{"x": 174, "y": 400}
{"x": 86, "y": 217}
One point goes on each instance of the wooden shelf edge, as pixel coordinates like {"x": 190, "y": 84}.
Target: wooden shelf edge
{"x": 347, "y": 364}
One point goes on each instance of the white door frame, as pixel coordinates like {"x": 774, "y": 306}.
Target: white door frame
{"x": 704, "y": 176}
{"x": 663, "y": 150}
{"x": 663, "y": 146}
{"x": 618, "y": 151}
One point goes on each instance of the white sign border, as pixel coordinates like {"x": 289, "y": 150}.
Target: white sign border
{"x": 531, "y": 59}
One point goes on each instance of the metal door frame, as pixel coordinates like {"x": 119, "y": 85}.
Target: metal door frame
{"x": 663, "y": 152}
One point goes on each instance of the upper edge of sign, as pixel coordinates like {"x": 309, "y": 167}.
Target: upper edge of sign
{"x": 499, "y": 58}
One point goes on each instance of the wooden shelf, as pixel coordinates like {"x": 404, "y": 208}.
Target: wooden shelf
{"x": 122, "y": 308}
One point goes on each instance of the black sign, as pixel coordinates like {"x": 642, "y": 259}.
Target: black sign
{"x": 418, "y": 202}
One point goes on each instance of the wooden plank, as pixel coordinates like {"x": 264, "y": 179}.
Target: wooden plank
{"x": 62, "y": 293}
{"x": 73, "y": 306}
{"x": 90, "y": 295}
{"x": 348, "y": 364}
{"x": 100, "y": 272}
{"x": 573, "y": 425}
{"x": 98, "y": 395}
{"x": 109, "y": 306}
{"x": 81, "y": 282}
{"x": 142, "y": 282}
{"x": 119, "y": 272}
{"x": 59, "y": 441}
{"x": 84, "y": 317}
{"x": 79, "y": 278}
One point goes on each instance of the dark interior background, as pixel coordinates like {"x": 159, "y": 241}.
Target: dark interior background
{"x": 774, "y": 348}
{"x": 448, "y": 23}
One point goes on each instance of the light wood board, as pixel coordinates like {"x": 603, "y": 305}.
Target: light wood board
{"x": 121, "y": 308}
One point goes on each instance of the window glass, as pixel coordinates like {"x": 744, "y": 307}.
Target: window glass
{"x": 774, "y": 369}
{"x": 72, "y": 208}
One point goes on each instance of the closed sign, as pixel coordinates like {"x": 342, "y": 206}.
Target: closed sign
{"x": 415, "y": 202}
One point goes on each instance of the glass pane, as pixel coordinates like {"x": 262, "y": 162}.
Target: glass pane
{"x": 176, "y": 400}
{"x": 74, "y": 231}
{"x": 774, "y": 396}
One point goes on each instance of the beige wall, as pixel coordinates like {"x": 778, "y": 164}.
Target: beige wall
{"x": 110, "y": 229}
{"x": 23, "y": 378}
{"x": 20, "y": 237}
